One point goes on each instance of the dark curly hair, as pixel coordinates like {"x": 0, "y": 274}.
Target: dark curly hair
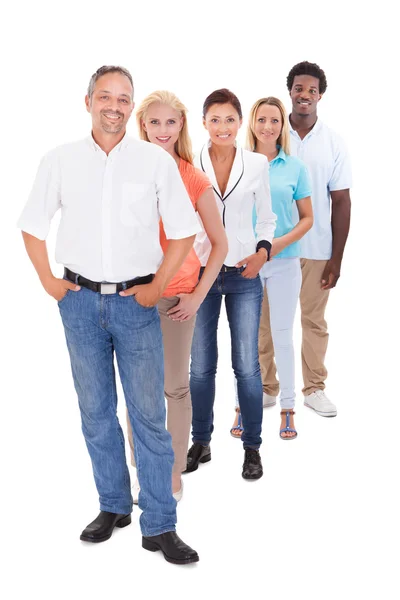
{"x": 307, "y": 68}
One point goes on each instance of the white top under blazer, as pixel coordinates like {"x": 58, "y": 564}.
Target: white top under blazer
{"x": 248, "y": 187}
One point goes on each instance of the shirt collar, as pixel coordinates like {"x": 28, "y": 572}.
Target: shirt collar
{"x": 120, "y": 146}
{"x": 280, "y": 156}
{"x": 235, "y": 175}
{"x": 315, "y": 129}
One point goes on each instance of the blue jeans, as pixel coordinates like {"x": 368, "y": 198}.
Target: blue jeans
{"x": 243, "y": 299}
{"x": 96, "y": 326}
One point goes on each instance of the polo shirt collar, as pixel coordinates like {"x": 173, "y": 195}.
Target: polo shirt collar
{"x": 318, "y": 125}
{"x": 280, "y": 156}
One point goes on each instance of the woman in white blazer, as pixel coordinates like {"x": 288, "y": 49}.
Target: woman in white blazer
{"x": 241, "y": 184}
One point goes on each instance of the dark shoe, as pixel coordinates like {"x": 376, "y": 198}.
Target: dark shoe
{"x": 252, "y": 467}
{"x": 174, "y": 550}
{"x": 102, "y": 527}
{"x": 197, "y": 454}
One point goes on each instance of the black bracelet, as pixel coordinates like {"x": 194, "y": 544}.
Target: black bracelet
{"x": 267, "y": 245}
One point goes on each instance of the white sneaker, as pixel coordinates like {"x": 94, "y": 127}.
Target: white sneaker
{"x": 135, "y": 491}
{"x": 178, "y": 495}
{"x": 268, "y": 400}
{"x": 320, "y": 402}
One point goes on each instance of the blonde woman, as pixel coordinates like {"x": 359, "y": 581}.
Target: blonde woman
{"x": 268, "y": 134}
{"x": 161, "y": 120}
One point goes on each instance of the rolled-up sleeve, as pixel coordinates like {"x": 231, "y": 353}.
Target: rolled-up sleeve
{"x": 44, "y": 199}
{"x": 266, "y": 219}
{"x": 175, "y": 207}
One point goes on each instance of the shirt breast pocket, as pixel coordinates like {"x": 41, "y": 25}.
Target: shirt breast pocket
{"x": 139, "y": 205}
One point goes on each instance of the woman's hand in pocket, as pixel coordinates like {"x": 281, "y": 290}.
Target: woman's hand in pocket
{"x": 253, "y": 263}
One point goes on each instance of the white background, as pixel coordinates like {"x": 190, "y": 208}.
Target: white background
{"x": 323, "y": 521}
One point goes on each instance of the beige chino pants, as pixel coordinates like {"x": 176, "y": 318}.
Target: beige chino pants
{"x": 177, "y": 338}
{"x": 315, "y": 335}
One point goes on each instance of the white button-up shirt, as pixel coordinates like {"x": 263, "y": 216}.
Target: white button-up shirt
{"x": 325, "y": 155}
{"x": 110, "y": 207}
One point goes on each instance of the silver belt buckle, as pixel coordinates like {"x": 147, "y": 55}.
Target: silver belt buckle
{"x": 108, "y": 288}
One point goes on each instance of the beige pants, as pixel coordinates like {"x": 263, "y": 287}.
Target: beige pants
{"x": 177, "y": 338}
{"x": 313, "y": 302}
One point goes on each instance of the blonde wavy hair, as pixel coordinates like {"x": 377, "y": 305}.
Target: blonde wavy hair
{"x": 183, "y": 145}
{"x": 284, "y": 138}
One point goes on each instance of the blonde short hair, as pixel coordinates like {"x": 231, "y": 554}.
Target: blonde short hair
{"x": 183, "y": 145}
{"x": 284, "y": 138}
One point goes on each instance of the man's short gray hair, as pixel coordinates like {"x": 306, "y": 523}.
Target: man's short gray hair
{"x": 107, "y": 69}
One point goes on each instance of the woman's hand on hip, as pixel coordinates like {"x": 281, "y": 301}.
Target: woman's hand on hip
{"x": 186, "y": 308}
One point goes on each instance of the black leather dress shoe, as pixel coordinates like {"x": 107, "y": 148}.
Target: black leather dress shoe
{"x": 102, "y": 527}
{"x": 174, "y": 550}
{"x": 197, "y": 454}
{"x": 252, "y": 467}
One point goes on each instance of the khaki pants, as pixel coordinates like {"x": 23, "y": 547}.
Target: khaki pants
{"x": 315, "y": 335}
{"x": 177, "y": 338}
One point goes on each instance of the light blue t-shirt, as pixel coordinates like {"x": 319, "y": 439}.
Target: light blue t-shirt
{"x": 289, "y": 181}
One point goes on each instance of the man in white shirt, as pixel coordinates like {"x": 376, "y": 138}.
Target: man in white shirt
{"x": 112, "y": 190}
{"x": 322, "y": 248}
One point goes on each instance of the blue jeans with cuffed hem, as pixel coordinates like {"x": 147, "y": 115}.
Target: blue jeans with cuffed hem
{"x": 97, "y": 327}
{"x": 243, "y": 298}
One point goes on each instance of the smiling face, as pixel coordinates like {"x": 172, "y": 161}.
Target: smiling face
{"x": 222, "y": 122}
{"x": 268, "y": 124}
{"x": 305, "y": 95}
{"x": 163, "y": 125}
{"x": 111, "y": 104}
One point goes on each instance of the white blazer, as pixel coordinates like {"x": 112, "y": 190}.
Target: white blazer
{"x": 248, "y": 187}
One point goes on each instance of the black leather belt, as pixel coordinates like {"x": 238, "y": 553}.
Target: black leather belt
{"x": 105, "y": 288}
{"x": 225, "y": 269}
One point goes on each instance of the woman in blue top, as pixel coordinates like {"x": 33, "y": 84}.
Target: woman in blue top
{"x": 268, "y": 134}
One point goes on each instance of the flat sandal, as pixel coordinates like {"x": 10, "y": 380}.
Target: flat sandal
{"x": 287, "y": 428}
